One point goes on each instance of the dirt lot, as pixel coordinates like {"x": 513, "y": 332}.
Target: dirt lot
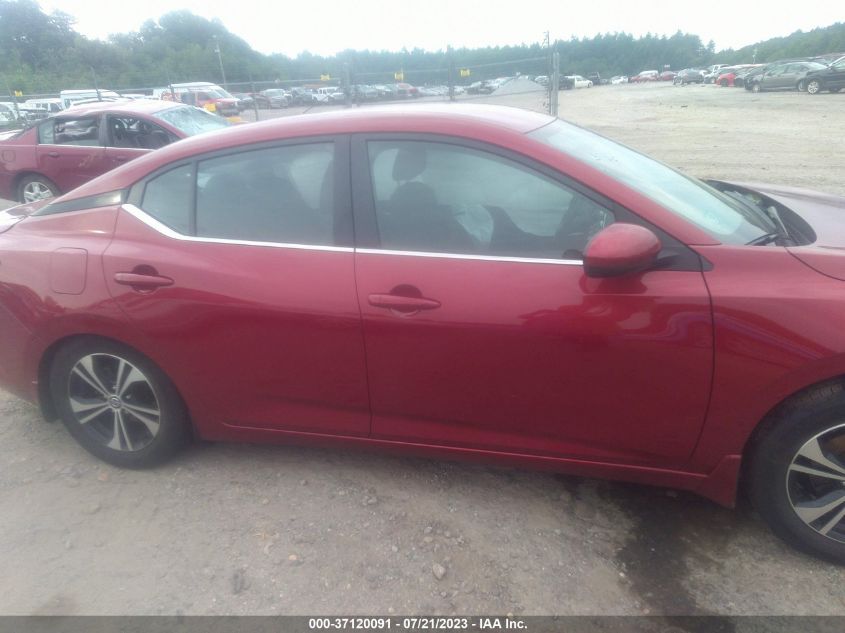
{"x": 241, "y": 529}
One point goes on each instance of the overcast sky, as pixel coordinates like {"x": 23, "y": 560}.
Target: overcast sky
{"x": 328, "y": 26}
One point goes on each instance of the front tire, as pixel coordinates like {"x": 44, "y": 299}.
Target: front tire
{"x": 117, "y": 403}
{"x": 756, "y": 88}
{"x": 724, "y": 83}
{"x": 36, "y": 187}
{"x": 797, "y": 472}
{"x": 814, "y": 87}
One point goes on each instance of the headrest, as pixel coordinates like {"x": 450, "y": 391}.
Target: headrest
{"x": 409, "y": 163}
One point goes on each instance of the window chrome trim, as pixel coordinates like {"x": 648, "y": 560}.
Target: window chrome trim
{"x": 165, "y": 230}
{"x": 484, "y": 258}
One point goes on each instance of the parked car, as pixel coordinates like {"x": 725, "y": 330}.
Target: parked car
{"x": 782, "y": 76}
{"x": 667, "y": 75}
{"x": 277, "y": 98}
{"x": 8, "y": 117}
{"x": 831, "y": 78}
{"x": 47, "y": 106}
{"x": 644, "y": 308}
{"x": 202, "y": 94}
{"x": 578, "y": 81}
{"x": 480, "y": 88}
{"x": 71, "y": 97}
{"x": 644, "y": 76}
{"x": 597, "y": 80}
{"x": 748, "y": 73}
{"x": 302, "y": 96}
{"x": 67, "y": 150}
{"x": 363, "y": 92}
{"x": 713, "y": 72}
{"x": 543, "y": 80}
{"x": 727, "y": 76}
{"x": 406, "y": 91}
{"x": 689, "y": 76}
{"x": 245, "y": 100}
{"x": 618, "y": 79}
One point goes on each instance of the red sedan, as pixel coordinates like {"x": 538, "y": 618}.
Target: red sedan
{"x": 69, "y": 149}
{"x": 459, "y": 281}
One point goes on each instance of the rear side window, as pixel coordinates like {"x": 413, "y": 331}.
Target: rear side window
{"x": 169, "y": 198}
{"x": 85, "y": 131}
{"x": 282, "y": 194}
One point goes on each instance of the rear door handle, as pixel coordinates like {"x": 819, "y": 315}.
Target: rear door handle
{"x": 140, "y": 281}
{"x": 53, "y": 154}
{"x": 402, "y": 304}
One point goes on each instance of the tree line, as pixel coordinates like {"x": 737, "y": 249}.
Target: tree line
{"x": 43, "y": 53}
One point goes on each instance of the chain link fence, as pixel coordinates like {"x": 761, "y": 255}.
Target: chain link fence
{"x": 531, "y": 83}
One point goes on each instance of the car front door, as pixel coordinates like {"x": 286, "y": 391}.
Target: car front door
{"x": 238, "y": 270}
{"x": 70, "y": 150}
{"x": 482, "y": 330}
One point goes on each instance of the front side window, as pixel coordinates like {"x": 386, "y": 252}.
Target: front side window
{"x": 282, "y": 194}
{"x": 445, "y": 198}
{"x": 133, "y": 132}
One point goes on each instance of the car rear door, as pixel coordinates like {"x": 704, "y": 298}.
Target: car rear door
{"x": 70, "y": 150}
{"x": 482, "y": 330}
{"x": 238, "y": 269}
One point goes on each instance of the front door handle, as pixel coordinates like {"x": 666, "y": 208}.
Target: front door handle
{"x": 53, "y": 154}
{"x": 401, "y": 303}
{"x": 140, "y": 281}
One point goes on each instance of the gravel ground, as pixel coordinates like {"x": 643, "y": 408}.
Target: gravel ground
{"x": 242, "y": 529}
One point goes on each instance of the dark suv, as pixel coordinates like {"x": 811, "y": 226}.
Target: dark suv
{"x": 831, "y": 78}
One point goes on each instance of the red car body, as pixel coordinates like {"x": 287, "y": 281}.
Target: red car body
{"x": 726, "y": 79}
{"x": 67, "y": 166}
{"x": 645, "y": 76}
{"x": 659, "y": 377}
{"x": 668, "y": 75}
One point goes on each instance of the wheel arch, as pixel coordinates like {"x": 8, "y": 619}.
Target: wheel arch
{"x": 775, "y": 415}
{"x": 45, "y": 399}
{"x": 16, "y": 181}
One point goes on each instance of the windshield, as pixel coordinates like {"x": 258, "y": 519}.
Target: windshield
{"x": 726, "y": 219}
{"x": 190, "y": 120}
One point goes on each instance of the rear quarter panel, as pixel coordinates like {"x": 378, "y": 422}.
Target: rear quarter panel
{"x": 39, "y": 302}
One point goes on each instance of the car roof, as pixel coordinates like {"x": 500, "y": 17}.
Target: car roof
{"x": 473, "y": 121}
{"x": 127, "y": 106}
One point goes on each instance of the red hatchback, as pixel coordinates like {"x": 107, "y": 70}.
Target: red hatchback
{"x": 467, "y": 281}
{"x": 69, "y": 149}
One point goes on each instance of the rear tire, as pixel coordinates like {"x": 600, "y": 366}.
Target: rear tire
{"x": 756, "y": 87}
{"x": 796, "y": 472}
{"x": 36, "y": 187}
{"x": 117, "y": 403}
{"x": 724, "y": 83}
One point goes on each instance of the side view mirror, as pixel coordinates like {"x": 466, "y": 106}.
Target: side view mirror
{"x": 620, "y": 249}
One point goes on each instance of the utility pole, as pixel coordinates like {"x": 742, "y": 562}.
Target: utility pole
{"x": 219, "y": 59}
{"x": 451, "y": 73}
{"x": 555, "y": 84}
{"x": 96, "y": 88}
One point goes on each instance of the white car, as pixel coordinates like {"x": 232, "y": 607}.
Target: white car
{"x": 619, "y": 79}
{"x": 579, "y": 82}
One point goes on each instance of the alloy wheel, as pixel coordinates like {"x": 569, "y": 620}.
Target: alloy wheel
{"x": 114, "y": 402}
{"x": 36, "y": 190}
{"x": 815, "y": 483}
{"x": 813, "y": 87}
